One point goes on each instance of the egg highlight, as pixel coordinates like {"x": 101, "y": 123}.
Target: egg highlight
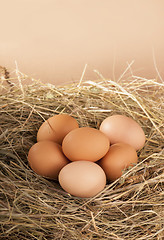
{"x": 82, "y": 179}
{"x": 120, "y": 128}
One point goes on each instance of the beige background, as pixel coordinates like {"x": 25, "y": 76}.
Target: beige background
{"x": 53, "y": 39}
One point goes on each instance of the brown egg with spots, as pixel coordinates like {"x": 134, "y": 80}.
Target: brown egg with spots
{"x": 56, "y": 128}
{"x": 119, "y": 128}
{"x": 119, "y": 157}
{"x": 85, "y": 143}
{"x": 47, "y": 159}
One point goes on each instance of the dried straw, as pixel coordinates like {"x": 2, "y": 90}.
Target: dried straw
{"x": 32, "y": 207}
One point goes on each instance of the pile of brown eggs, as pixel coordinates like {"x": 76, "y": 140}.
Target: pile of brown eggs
{"x": 83, "y": 159}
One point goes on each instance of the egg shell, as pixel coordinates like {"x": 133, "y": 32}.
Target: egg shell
{"x": 82, "y": 179}
{"x": 120, "y": 128}
{"x": 85, "y": 143}
{"x": 119, "y": 157}
{"x": 56, "y": 128}
{"x": 47, "y": 159}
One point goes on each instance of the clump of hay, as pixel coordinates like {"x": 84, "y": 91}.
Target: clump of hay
{"x": 32, "y": 207}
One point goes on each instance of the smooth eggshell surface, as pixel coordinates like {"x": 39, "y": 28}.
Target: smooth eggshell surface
{"x": 120, "y": 128}
{"x": 56, "y": 128}
{"x": 82, "y": 179}
{"x": 119, "y": 157}
{"x": 47, "y": 159}
{"x": 85, "y": 143}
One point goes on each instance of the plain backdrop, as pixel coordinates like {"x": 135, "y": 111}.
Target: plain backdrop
{"x": 52, "y": 40}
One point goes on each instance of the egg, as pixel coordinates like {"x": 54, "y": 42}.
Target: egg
{"x": 120, "y": 128}
{"x": 82, "y": 179}
{"x": 85, "y": 143}
{"x": 119, "y": 157}
{"x": 47, "y": 159}
{"x": 56, "y": 128}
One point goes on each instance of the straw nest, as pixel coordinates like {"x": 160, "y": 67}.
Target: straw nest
{"x": 32, "y": 207}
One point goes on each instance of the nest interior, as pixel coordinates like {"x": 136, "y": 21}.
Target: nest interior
{"x": 32, "y": 207}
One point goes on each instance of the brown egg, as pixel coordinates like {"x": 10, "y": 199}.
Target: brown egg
{"x": 82, "y": 179}
{"x": 47, "y": 159}
{"x": 85, "y": 143}
{"x": 119, "y": 157}
{"x": 124, "y": 129}
{"x": 56, "y": 128}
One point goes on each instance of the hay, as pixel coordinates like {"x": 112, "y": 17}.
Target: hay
{"x": 32, "y": 207}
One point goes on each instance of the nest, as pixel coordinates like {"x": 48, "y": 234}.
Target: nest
{"x": 32, "y": 207}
